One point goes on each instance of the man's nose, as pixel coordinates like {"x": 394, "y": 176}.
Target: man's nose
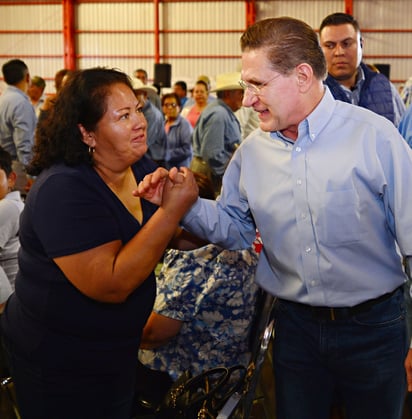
{"x": 248, "y": 98}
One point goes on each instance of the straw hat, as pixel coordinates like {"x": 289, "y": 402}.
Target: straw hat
{"x": 138, "y": 85}
{"x": 204, "y": 79}
{"x": 227, "y": 81}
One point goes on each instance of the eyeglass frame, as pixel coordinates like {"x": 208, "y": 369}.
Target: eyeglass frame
{"x": 170, "y": 105}
{"x": 256, "y": 89}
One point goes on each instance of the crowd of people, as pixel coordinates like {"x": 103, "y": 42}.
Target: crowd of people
{"x": 307, "y": 148}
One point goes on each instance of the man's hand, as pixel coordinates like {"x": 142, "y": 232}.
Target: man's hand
{"x": 161, "y": 186}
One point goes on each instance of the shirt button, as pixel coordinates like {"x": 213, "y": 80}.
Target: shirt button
{"x": 312, "y": 136}
{"x": 303, "y": 215}
{"x": 299, "y": 182}
{"x": 313, "y": 283}
{"x": 308, "y": 249}
{"x": 298, "y": 149}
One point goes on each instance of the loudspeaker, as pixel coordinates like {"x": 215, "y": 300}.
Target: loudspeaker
{"x": 162, "y": 75}
{"x": 385, "y": 69}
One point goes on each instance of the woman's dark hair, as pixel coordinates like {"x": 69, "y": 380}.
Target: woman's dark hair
{"x": 5, "y": 161}
{"x": 203, "y": 83}
{"x": 82, "y": 100}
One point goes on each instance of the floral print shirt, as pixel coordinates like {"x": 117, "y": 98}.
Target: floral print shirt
{"x": 212, "y": 291}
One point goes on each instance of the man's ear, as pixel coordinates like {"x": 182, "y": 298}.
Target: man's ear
{"x": 87, "y": 137}
{"x": 304, "y": 75}
{"x": 11, "y": 180}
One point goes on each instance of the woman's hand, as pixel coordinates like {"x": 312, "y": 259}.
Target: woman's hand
{"x": 166, "y": 188}
{"x": 180, "y": 191}
{"x": 151, "y": 187}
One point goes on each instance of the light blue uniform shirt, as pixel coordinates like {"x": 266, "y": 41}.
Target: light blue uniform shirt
{"x": 325, "y": 206}
{"x": 405, "y": 126}
{"x": 216, "y": 135}
{"x": 17, "y": 124}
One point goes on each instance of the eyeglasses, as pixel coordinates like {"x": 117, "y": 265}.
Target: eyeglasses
{"x": 170, "y": 105}
{"x": 256, "y": 89}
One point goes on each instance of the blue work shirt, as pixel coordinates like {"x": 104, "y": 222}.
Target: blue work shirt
{"x": 216, "y": 135}
{"x": 329, "y": 206}
{"x": 405, "y": 126}
{"x": 17, "y": 124}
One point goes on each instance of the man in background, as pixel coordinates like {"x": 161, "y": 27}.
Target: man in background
{"x": 156, "y": 134}
{"x": 180, "y": 88}
{"x": 17, "y": 119}
{"x": 349, "y": 79}
{"x": 217, "y": 133}
{"x": 152, "y": 94}
{"x": 36, "y": 93}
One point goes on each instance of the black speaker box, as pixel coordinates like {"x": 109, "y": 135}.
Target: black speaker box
{"x": 385, "y": 69}
{"x": 162, "y": 75}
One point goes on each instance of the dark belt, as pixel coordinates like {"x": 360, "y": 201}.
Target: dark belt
{"x": 340, "y": 313}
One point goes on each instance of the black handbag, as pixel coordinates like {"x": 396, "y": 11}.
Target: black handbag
{"x": 202, "y": 396}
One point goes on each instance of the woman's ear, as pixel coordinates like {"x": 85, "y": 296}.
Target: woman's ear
{"x": 87, "y": 137}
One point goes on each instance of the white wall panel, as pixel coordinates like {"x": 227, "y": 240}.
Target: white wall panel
{"x": 387, "y": 16}
{"x": 204, "y": 15}
{"x": 222, "y": 24}
{"x": 201, "y": 44}
{"x": 115, "y": 16}
{"x": 312, "y": 12}
{"x": 31, "y": 17}
{"x": 115, "y": 44}
{"x": 19, "y": 44}
{"x": 383, "y": 14}
{"x": 43, "y": 50}
{"x": 194, "y": 37}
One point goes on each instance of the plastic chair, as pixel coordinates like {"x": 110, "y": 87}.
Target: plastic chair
{"x": 6, "y": 386}
{"x": 240, "y": 403}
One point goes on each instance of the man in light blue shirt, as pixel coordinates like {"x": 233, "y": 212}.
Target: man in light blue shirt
{"x": 217, "y": 132}
{"x": 17, "y": 119}
{"x": 327, "y": 184}
{"x": 405, "y": 126}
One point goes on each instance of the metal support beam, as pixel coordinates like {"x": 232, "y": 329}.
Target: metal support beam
{"x": 349, "y": 7}
{"x": 68, "y": 34}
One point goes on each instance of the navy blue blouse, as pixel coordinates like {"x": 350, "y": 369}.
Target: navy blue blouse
{"x": 70, "y": 210}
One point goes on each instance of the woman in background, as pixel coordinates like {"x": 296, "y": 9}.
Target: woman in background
{"x": 179, "y": 133}
{"x": 200, "y": 95}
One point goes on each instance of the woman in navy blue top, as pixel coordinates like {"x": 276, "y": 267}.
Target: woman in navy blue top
{"x": 85, "y": 285}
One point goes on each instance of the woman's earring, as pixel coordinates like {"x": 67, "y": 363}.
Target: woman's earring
{"x": 91, "y": 149}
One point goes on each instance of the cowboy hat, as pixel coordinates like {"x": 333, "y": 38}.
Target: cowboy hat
{"x": 227, "y": 81}
{"x": 138, "y": 85}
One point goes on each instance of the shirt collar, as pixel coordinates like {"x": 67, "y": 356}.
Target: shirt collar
{"x": 16, "y": 89}
{"x": 360, "y": 79}
{"x": 320, "y": 116}
{"x": 13, "y": 196}
{"x": 314, "y": 123}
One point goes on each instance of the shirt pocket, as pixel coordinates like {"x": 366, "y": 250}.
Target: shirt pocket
{"x": 340, "y": 218}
